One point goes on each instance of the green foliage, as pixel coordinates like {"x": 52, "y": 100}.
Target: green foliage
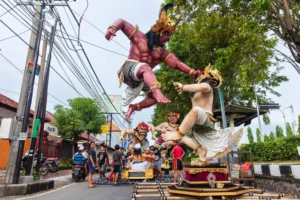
{"x": 279, "y": 132}
{"x": 298, "y": 124}
{"x": 233, "y": 44}
{"x": 284, "y": 148}
{"x": 258, "y": 136}
{"x": 289, "y": 131}
{"x": 266, "y": 138}
{"x": 272, "y": 136}
{"x": 83, "y": 115}
{"x": 266, "y": 119}
{"x": 250, "y": 135}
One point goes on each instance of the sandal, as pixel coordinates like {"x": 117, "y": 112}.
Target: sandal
{"x": 91, "y": 186}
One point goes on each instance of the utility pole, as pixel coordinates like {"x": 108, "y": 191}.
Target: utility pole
{"x": 22, "y": 101}
{"x": 29, "y": 87}
{"x": 258, "y": 117}
{"x": 110, "y": 128}
{"x": 43, "y": 99}
{"x": 36, "y": 122}
{"x": 30, "y": 93}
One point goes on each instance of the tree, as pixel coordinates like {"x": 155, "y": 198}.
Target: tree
{"x": 299, "y": 124}
{"x": 250, "y": 135}
{"x": 266, "y": 138}
{"x": 279, "y": 132}
{"x": 233, "y": 44}
{"x": 258, "y": 136}
{"x": 89, "y": 113}
{"x": 279, "y": 16}
{"x": 83, "y": 115}
{"x": 272, "y": 136}
{"x": 289, "y": 131}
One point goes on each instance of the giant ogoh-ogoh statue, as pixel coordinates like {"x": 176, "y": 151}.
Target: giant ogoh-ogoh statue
{"x": 146, "y": 52}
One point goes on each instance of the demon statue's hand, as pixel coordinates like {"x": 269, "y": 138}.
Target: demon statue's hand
{"x": 196, "y": 73}
{"x": 110, "y": 33}
{"x": 178, "y": 87}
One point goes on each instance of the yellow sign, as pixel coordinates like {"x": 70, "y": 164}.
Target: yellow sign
{"x": 104, "y": 129}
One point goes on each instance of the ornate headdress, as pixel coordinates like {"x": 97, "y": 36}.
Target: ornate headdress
{"x": 165, "y": 23}
{"x": 174, "y": 114}
{"x": 143, "y": 126}
{"x": 211, "y": 74}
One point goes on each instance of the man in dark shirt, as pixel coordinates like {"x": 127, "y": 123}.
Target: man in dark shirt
{"x": 102, "y": 158}
{"x": 91, "y": 163}
{"x": 117, "y": 158}
{"x": 157, "y": 161}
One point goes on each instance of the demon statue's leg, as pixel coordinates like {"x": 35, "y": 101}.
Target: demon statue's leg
{"x": 186, "y": 125}
{"x": 149, "y": 101}
{"x": 145, "y": 72}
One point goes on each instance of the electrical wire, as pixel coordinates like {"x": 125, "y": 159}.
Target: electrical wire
{"x": 13, "y": 65}
{"x": 94, "y": 85}
{"x": 14, "y": 35}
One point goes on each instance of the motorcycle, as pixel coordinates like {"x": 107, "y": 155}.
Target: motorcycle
{"x": 53, "y": 164}
{"x": 78, "y": 172}
{"x": 43, "y": 168}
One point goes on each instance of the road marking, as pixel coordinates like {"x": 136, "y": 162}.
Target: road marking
{"x": 54, "y": 190}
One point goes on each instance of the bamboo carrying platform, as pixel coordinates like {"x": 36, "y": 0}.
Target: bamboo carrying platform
{"x": 157, "y": 190}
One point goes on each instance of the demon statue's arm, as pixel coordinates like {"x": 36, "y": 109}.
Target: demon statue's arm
{"x": 126, "y": 131}
{"x": 202, "y": 87}
{"x": 151, "y": 129}
{"x": 120, "y": 24}
{"x": 171, "y": 60}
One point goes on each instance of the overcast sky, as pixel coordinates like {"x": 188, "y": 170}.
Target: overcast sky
{"x": 102, "y": 14}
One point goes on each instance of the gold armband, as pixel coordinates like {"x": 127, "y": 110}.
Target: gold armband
{"x": 155, "y": 85}
{"x": 167, "y": 57}
{"x": 138, "y": 107}
{"x": 179, "y": 132}
{"x": 134, "y": 31}
{"x": 113, "y": 27}
{"x": 191, "y": 71}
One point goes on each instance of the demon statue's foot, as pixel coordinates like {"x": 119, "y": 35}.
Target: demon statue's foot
{"x": 131, "y": 109}
{"x": 159, "y": 97}
{"x": 202, "y": 154}
{"x": 171, "y": 136}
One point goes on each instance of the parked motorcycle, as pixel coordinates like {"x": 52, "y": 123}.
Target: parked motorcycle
{"x": 78, "y": 172}
{"x": 53, "y": 164}
{"x": 43, "y": 169}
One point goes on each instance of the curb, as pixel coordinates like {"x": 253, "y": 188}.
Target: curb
{"x": 24, "y": 189}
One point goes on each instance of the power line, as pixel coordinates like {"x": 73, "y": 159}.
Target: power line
{"x": 14, "y": 35}
{"x": 99, "y": 30}
{"x": 87, "y": 86}
{"x": 22, "y": 73}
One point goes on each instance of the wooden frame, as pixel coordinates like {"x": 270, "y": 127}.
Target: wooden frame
{"x": 148, "y": 174}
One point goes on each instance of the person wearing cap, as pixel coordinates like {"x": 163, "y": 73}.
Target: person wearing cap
{"x": 78, "y": 158}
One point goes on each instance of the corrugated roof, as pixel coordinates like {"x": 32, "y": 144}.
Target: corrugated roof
{"x": 13, "y": 105}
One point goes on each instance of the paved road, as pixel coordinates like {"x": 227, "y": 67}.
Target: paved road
{"x": 80, "y": 191}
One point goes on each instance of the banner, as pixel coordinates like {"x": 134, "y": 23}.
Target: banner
{"x": 116, "y": 100}
{"x": 104, "y": 129}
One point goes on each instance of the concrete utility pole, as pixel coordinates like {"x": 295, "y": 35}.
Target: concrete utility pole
{"x": 22, "y": 102}
{"x": 40, "y": 86}
{"x": 23, "y": 112}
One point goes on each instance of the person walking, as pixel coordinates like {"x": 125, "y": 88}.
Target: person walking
{"x": 91, "y": 163}
{"x": 118, "y": 164}
{"x": 178, "y": 154}
{"x": 102, "y": 162}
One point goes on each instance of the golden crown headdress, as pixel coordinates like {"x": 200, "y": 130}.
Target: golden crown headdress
{"x": 165, "y": 23}
{"x": 211, "y": 74}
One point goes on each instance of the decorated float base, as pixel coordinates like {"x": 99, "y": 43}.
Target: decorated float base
{"x": 135, "y": 175}
{"x": 156, "y": 190}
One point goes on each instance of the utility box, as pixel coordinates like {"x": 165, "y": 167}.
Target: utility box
{"x": 6, "y": 128}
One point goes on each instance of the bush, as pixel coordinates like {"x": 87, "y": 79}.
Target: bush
{"x": 283, "y": 148}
